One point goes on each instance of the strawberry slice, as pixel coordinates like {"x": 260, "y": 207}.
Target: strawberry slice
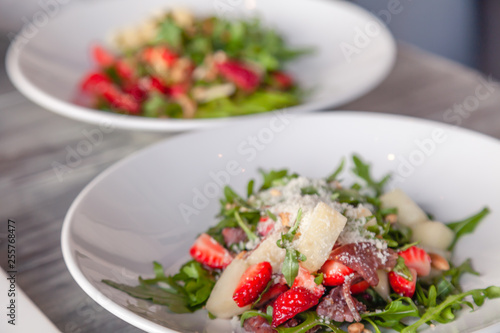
{"x": 274, "y": 291}
{"x": 292, "y": 302}
{"x": 208, "y": 252}
{"x": 96, "y": 83}
{"x": 156, "y": 84}
{"x": 359, "y": 287}
{"x": 334, "y": 273}
{"x": 239, "y": 74}
{"x": 252, "y": 283}
{"x": 159, "y": 53}
{"x": 282, "y": 80}
{"x": 103, "y": 57}
{"x": 306, "y": 280}
{"x": 265, "y": 226}
{"x": 401, "y": 285}
{"x": 417, "y": 259}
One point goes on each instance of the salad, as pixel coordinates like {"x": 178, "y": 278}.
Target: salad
{"x": 310, "y": 255}
{"x": 178, "y": 66}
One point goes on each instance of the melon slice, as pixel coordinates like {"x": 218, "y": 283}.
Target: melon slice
{"x": 409, "y": 213}
{"x": 221, "y": 303}
{"x": 269, "y": 251}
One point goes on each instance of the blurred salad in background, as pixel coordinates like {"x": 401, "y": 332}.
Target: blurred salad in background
{"x": 175, "y": 65}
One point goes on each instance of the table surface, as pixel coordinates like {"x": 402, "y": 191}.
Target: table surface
{"x": 31, "y": 139}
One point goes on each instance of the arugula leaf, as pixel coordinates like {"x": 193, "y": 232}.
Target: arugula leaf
{"x": 456, "y": 273}
{"x": 251, "y": 236}
{"x": 337, "y": 171}
{"x": 271, "y": 215}
{"x": 169, "y": 33}
{"x": 290, "y": 267}
{"x": 309, "y": 190}
{"x": 250, "y": 186}
{"x": 319, "y": 279}
{"x": 393, "y": 313}
{"x": 310, "y": 319}
{"x": 274, "y": 177}
{"x": 445, "y": 311}
{"x": 187, "y": 291}
{"x": 466, "y": 226}
{"x": 402, "y": 270}
{"x": 253, "y": 313}
{"x": 362, "y": 170}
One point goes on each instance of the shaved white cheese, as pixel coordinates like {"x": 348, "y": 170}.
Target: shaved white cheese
{"x": 318, "y": 235}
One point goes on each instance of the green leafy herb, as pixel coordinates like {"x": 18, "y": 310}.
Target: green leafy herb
{"x": 445, "y": 311}
{"x": 309, "y": 320}
{"x": 187, "y": 291}
{"x": 275, "y": 177}
{"x": 402, "y": 270}
{"x": 319, "y": 279}
{"x": 250, "y": 186}
{"x": 466, "y": 226}
{"x": 271, "y": 215}
{"x": 394, "y": 312}
{"x": 251, "y": 236}
{"x": 268, "y": 315}
{"x": 290, "y": 267}
{"x": 362, "y": 170}
{"x": 169, "y": 33}
{"x": 309, "y": 190}
{"x": 337, "y": 171}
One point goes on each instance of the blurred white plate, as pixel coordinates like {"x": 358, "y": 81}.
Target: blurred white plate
{"x": 131, "y": 215}
{"x": 48, "y": 66}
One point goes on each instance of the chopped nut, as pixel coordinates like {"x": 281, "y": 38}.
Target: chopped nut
{"x": 356, "y": 328}
{"x": 187, "y": 104}
{"x": 391, "y": 218}
{"x": 337, "y": 184}
{"x": 285, "y": 219}
{"x": 182, "y": 17}
{"x": 275, "y": 193}
{"x": 181, "y": 70}
{"x": 439, "y": 262}
{"x": 204, "y": 94}
{"x": 241, "y": 255}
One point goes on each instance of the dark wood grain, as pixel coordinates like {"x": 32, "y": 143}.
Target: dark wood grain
{"x": 32, "y": 139}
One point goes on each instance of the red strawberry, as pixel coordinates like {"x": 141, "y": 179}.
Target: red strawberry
{"x": 178, "y": 89}
{"x": 292, "y": 302}
{"x": 156, "y": 84}
{"x": 359, "y": 287}
{"x": 124, "y": 70}
{"x": 121, "y": 100}
{"x": 102, "y": 56}
{"x": 283, "y": 80}
{"x": 242, "y": 76}
{"x": 159, "y": 53}
{"x": 334, "y": 273}
{"x": 417, "y": 259}
{"x": 252, "y": 283}
{"x": 274, "y": 291}
{"x": 265, "y": 226}
{"x": 306, "y": 280}
{"x": 96, "y": 83}
{"x": 401, "y": 285}
{"x": 208, "y": 252}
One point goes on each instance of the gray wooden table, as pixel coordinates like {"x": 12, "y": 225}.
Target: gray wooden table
{"x": 31, "y": 139}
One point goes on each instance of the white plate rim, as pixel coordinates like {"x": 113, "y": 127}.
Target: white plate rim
{"x": 149, "y": 326}
{"x": 80, "y": 113}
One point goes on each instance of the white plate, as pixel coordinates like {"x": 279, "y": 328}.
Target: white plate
{"x": 48, "y": 66}
{"x": 130, "y": 215}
